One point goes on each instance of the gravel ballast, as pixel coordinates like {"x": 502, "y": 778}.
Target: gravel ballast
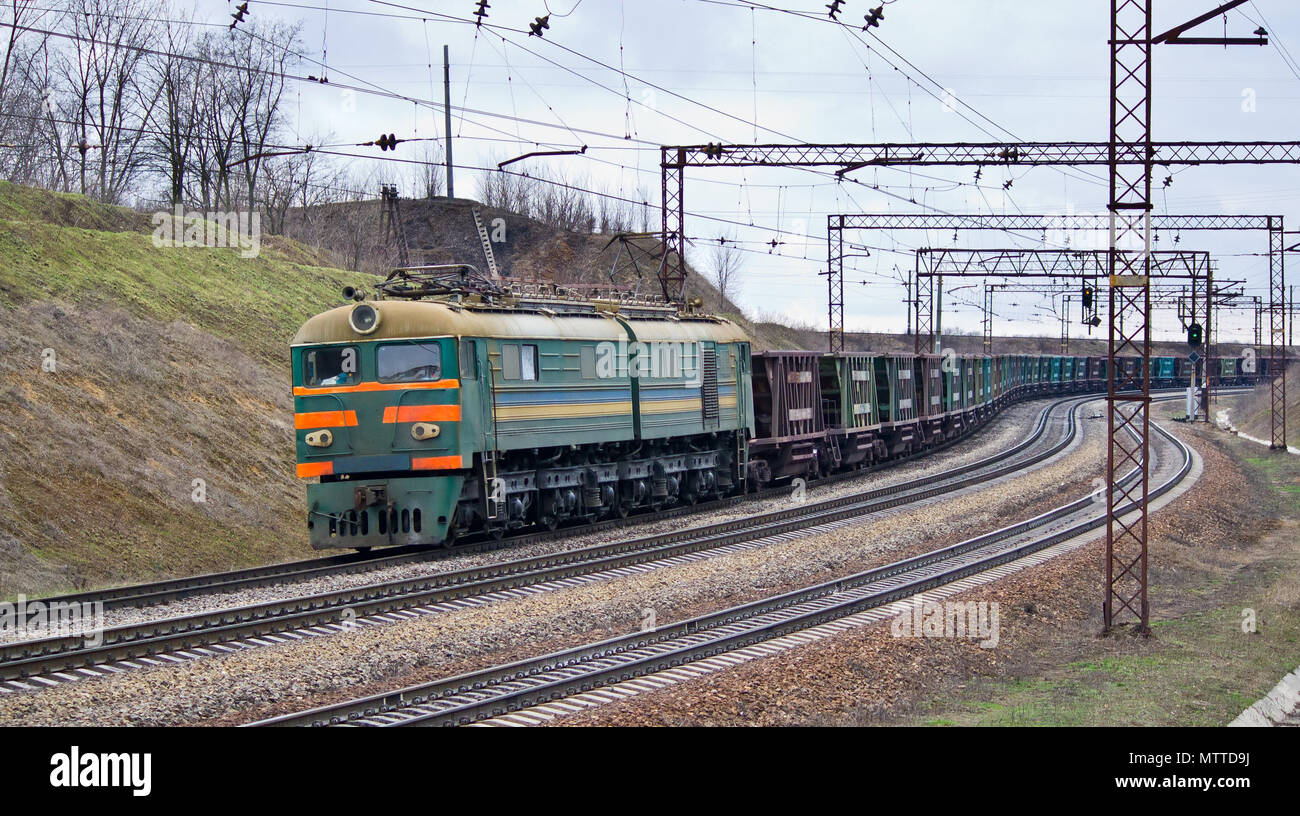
{"x": 274, "y": 679}
{"x": 1003, "y": 432}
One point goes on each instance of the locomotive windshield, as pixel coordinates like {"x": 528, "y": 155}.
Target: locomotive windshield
{"x": 337, "y": 365}
{"x": 419, "y": 362}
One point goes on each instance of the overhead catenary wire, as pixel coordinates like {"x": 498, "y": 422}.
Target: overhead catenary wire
{"x": 925, "y": 195}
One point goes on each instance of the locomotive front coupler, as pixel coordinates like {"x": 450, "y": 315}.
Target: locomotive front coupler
{"x": 369, "y": 496}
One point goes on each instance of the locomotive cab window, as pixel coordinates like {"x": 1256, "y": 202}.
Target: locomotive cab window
{"x": 416, "y": 362}
{"x": 339, "y": 365}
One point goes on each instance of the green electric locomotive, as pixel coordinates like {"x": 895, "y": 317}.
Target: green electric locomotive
{"x": 450, "y": 404}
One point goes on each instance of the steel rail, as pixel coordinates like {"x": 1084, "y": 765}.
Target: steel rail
{"x": 24, "y": 659}
{"x": 172, "y": 589}
{"x": 497, "y": 690}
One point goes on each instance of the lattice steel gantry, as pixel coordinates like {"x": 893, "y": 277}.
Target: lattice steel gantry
{"x": 1130, "y": 155}
{"x": 1084, "y": 227}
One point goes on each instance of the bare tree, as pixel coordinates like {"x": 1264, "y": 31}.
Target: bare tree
{"x": 262, "y": 55}
{"x": 726, "y": 273}
{"x": 550, "y": 197}
{"x": 221, "y": 112}
{"x": 177, "y": 118}
{"x": 23, "y": 96}
{"x": 281, "y": 185}
{"x": 355, "y": 227}
{"x": 18, "y": 11}
{"x": 510, "y": 191}
{"x": 302, "y": 180}
{"x": 426, "y": 180}
{"x": 109, "y": 95}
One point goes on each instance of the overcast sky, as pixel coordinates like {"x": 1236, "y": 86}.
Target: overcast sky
{"x": 720, "y": 70}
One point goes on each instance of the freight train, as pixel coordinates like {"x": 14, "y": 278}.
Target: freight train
{"x": 448, "y": 404}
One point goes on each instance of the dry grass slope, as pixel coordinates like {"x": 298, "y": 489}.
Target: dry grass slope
{"x": 170, "y": 366}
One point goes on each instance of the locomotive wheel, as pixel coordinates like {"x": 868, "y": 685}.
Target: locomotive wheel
{"x": 550, "y": 522}
{"x": 622, "y": 509}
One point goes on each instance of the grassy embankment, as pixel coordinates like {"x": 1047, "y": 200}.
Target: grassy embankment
{"x": 171, "y": 366}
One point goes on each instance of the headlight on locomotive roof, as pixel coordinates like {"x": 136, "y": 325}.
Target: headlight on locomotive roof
{"x": 363, "y": 318}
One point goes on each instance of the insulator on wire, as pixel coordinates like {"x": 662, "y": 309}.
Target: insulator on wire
{"x": 536, "y": 28}
{"x": 874, "y": 17}
{"x": 835, "y": 8}
{"x": 481, "y": 12}
{"x": 240, "y": 11}
{"x": 386, "y": 141}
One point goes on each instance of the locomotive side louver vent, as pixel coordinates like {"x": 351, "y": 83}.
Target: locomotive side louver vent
{"x": 709, "y": 384}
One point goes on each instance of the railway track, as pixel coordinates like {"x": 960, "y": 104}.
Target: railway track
{"x": 352, "y": 563}
{"x": 584, "y": 670}
{"x": 37, "y": 663}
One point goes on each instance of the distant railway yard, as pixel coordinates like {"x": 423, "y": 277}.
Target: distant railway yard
{"x": 779, "y": 609}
